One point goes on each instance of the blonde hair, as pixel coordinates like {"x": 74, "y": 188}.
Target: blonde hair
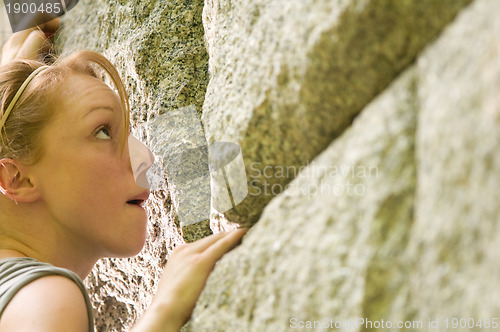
{"x": 21, "y": 133}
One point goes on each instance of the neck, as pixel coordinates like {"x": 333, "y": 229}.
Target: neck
{"x": 23, "y": 235}
{"x": 80, "y": 269}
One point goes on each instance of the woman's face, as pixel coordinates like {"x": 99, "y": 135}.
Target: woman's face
{"x": 84, "y": 175}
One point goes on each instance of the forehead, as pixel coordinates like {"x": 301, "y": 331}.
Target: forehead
{"x": 80, "y": 93}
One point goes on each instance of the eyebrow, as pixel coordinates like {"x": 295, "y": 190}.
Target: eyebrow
{"x": 109, "y": 108}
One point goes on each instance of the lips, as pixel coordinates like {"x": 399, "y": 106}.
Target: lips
{"x": 139, "y": 199}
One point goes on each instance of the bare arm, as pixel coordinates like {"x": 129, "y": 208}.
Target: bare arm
{"x": 52, "y": 303}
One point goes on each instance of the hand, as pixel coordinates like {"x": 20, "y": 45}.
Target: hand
{"x": 183, "y": 280}
{"x": 30, "y": 43}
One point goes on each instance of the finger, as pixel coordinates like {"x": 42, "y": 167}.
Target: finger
{"x": 35, "y": 44}
{"x": 51, "y": 27}
{"x": 13, "y": 44}
{"x": 18, "y": 38}
{"x": 228, "y": 242}
{"x": 202, "y": 244}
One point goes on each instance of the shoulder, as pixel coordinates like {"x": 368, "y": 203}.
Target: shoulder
{"x": 50, "y": 303}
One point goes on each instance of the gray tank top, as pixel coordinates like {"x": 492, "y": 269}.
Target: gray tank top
{"x": 15, "y": 273}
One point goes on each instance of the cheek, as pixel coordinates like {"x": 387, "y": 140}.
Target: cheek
{"x": 90, "y": 182}
{"x": 92, "y": 203}
{"x": 104, "y": 179}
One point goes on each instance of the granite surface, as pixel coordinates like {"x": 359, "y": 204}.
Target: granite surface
{"x": 396, "y": 222}
{"x": 288, "y": 77}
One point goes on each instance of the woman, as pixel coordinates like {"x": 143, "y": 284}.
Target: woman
{"x": 70, "y": 197}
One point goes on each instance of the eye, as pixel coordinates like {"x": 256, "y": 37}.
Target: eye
{"x": 104, "y": 132}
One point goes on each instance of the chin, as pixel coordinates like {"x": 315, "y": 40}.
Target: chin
{"x": 137, "y": 249}
{"x": 131, "y": 249}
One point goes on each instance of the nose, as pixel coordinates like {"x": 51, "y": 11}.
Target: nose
{"x": 141, "y": 159}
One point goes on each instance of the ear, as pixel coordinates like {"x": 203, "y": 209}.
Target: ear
{"x": 15, "y": 184}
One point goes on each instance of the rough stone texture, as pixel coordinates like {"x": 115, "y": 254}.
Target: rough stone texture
{"x": 419, "y": 242}
{"x": 179, "y": 143}
{"x": 455, "y": 236}
{"x": 287, "y": 77}
{"x": 158, "y": 47}
{"x": 344, "y": 215}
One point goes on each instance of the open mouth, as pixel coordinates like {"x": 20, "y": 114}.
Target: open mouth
{"x": 137, "y": 202}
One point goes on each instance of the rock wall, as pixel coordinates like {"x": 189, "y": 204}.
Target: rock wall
{"x": 396, "y": 220}
{"x": 287, "y": 77}
{"x": 369, "y": 131}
